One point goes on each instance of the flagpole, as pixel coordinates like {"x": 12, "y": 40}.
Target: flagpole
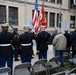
{"x": 25, "y": 11}
{"x": 59, "y": 14}
{"x": 43, "y": 1}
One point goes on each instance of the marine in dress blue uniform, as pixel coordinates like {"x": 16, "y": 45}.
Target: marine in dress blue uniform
{"x": 42, "y": 41}
{"x": 26, "y": 45}
{"x": 6, "y": 52}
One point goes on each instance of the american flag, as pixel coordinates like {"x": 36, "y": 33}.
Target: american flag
{"x": 35, "y": 17}
{"x": 42, "y": 18}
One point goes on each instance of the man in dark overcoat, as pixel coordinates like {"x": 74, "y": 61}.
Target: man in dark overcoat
{"x": 73, "y": 43}
{"x": 42, "y": 41}
{"x": 68, "y": 36}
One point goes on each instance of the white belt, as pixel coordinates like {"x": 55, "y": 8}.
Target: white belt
{"x": 5, "y": 44}
{"x": 26, "y": 44}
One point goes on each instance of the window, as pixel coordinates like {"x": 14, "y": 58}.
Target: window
{"x": 13, "y": 15}
{"x": 52, "y": 20}
{"x": 59, "y": 1}
{"x": 72, "y": 21}
{"x": 52, "y": 1}
{"x": 59, "y": 19}
{"x": 45, "y": 0}
{"x": 2, "y": 14}
{"x": 72, "y": 4}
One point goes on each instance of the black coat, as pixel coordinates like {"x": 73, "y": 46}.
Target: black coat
{"x": 15, "y": 40}
{"x": 73, "y": 39}
{"x": 42, "y": 41}
{"x": 52, "y": 37}
{"x": 5, "y": 38}
{"x": 26, "y": 38}
{"x": 68, "y": 36}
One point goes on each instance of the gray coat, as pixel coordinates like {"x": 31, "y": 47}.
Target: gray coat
{"x": 59, "y": 42}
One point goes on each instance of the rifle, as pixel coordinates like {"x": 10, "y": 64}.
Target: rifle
{"x": 11, "y": 27}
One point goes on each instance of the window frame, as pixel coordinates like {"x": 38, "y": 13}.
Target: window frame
{"x": 3, "y": 15}
{"x": 58, "y": 2}
{"x": 13, "y": 17}
{"x": 72, "y": 18}
{"x": 50, "y": 21}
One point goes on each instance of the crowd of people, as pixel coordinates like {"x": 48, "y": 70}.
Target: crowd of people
{"x": 14, "y": 43}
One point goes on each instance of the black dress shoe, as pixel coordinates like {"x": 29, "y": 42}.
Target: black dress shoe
{"x": 32, "y": 57}
{"x": 17, "y": 60}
